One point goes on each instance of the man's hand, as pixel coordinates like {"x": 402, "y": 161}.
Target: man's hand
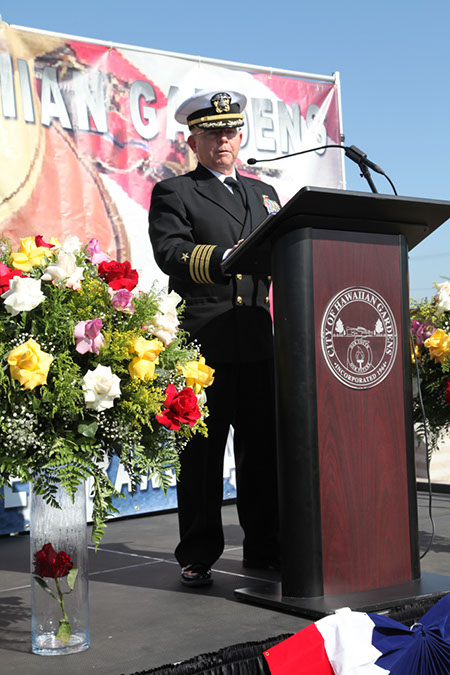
{"x": 236, "y": 245}
{"x": 230, "y": 250}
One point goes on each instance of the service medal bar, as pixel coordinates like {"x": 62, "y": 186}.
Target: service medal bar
{"x": 270, "y": 205}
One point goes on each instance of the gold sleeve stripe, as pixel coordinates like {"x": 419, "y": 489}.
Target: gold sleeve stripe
{"x": 199, "y": 266}
{"x": 193, "y": 265}
{"x": 199, "y": 263}
{"x": 207, "y": 259}
{"x": 203, "y": 265}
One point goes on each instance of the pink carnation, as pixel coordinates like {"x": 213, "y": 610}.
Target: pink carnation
{"x": 88, "y": 336}
{"x": 94, "y": 254}
{"x": 123, "y": 300}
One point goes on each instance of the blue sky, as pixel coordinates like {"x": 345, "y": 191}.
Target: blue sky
{"x": 393, "y": 59}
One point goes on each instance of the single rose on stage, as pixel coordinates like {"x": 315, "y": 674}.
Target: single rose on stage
{"x": 48, "y": 563}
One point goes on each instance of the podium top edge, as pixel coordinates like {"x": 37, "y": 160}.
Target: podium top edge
{"x": 329, "y": 202}
{"x": 377, "y": 196}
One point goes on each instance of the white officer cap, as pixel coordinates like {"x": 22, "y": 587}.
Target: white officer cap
{"x": 212, "y": 109}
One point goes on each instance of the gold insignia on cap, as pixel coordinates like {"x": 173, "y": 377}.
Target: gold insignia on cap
{"x": 221, "y": 102}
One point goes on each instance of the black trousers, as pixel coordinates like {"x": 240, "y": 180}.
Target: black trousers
{"x": 242, "y": 395}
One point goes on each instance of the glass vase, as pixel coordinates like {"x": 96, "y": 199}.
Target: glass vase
{"x": 59, "y": 574}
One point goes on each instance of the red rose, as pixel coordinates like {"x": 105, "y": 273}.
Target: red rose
{"x": 447, "y": 393}
{"x": 179, "y": 408}
{"x": 39, "y": 241}
{"x": 6, "y": 274}
{"x": 48, "y": 563}
{"x": 118, "y": 275}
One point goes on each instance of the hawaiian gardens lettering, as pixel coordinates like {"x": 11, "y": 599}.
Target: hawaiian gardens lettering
{"x": 81, "y": 100}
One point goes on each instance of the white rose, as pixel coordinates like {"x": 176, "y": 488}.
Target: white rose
{"x": 166, "y": 321}
{"x": 64, "y": 269}
{"x": 443, "y": 297}
{"x": 100, "y": 387}
{"x": 24, "y": 294}
{"x": 71, "y": 244}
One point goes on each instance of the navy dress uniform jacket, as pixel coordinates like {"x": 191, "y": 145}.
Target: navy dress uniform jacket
{"x": 194, "y": 219}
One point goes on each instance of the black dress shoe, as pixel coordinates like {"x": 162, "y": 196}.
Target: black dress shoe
{"x": 196, "y": 575}
{"x": 256, "y": 564}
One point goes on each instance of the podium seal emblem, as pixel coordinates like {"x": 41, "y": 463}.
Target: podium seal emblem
{"x": 359, "y": 337}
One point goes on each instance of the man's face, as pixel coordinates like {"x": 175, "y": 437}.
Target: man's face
{"x": 216, "y": 149}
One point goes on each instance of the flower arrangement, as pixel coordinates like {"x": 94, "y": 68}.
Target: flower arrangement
{"x": 93, "y": 367}
{"x": 430, "y": 329}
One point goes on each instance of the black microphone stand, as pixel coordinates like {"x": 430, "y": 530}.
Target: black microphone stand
{"x": 359, "y": 157}
{"x": 367, "y": 175}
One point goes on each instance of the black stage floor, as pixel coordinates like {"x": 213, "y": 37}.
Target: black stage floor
{"x": 141, "y": 615}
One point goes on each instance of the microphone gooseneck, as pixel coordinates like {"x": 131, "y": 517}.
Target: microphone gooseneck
{"x": 352, "y": 152}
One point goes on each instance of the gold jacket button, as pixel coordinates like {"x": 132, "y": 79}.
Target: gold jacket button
{"x": 239, "y": 277}
{"x": 239, "y": 300}
{"x": 269, "y": 278}
{"x": 267, "y": 299}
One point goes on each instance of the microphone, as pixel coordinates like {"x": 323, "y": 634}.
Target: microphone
{"x": 252, "y": 160}
{"x": 352, "y": 152}
{"x": 358, "y": 156}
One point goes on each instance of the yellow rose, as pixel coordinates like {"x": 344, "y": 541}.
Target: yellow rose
{"x": 29, "y": 255}
{"x": 147, "y": 351}
{"x": 29, "y": 364}
{"x": 198, "y": 375}
{"x": 439, "y": 345}
{"x": 142, "y": 368}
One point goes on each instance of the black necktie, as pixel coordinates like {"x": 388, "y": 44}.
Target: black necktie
{"x": 237, "y": 190}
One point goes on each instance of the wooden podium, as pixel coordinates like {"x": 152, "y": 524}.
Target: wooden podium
{"x": 348, "y": 513}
